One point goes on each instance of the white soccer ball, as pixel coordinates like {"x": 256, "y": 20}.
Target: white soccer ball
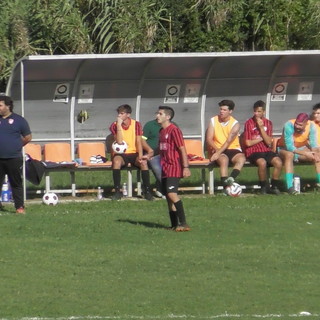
{"x": 119, "y": 148}
{"x": 234, "y": 190}
{"x": 50, "y": 199}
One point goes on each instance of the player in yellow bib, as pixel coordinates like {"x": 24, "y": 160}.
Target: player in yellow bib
{"x": 223, "y": 142}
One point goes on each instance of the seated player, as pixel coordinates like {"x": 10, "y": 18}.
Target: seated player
{"x": 298, "y": 143}
{"x": 130, "y": 131}
{"x": 258, "y": 140}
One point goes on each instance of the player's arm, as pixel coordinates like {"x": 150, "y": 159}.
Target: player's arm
{"x": 232, "y": 135}
{"x": 118, "y": 136}
{"x": 184, "y": 161}
{"x": 249, "y": 139}
{"x": 264, "y": 135}
{"x": 26, "y": 139}
{"x": 209, "y": 138}
{"x": 314, "y": 143}
{"x": 288, "y": 132}
{"x": 313, "y": 138}
{"x": 139, "y": 146}
{"x": 250, "y": 143}
{"x": 149, "y": 151}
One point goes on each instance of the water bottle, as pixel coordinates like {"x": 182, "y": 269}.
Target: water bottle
{"x": 296, "y": 184}
{"x": 99, "y": 194}
{"x": 124, "y": 190}
{"x": 5, "y": 194}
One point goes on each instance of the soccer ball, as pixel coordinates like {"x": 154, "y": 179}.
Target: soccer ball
{"x": 119, "y": 148}
{"x": 234, "y": 190}
{"x": 50, "y": 199}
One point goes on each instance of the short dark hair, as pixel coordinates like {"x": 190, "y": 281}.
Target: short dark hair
{"x": 228, "y": 103}
{"x": 7, "y": 101}
{"x": 168, "y": 111}
{"x": 316, "y": 107}
{"x": 124, "y": 108}
{"x": 259, "y": 104}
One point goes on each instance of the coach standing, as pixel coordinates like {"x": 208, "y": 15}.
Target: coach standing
{"x": 14, "y": 134}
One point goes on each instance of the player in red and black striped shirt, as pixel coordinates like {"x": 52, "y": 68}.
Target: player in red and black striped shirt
{"x": 258, "y": 140}
{"x": 174, "y": 163}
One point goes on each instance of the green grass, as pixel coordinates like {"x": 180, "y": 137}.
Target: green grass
{"x": 245, "y": 256}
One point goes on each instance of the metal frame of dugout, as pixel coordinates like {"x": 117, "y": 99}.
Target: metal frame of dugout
{"x": 51, "y": 91}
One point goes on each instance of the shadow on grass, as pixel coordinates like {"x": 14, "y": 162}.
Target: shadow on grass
{"x": 143, "y": 223}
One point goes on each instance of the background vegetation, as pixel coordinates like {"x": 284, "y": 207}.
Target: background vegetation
{"x": 129, "y": 26}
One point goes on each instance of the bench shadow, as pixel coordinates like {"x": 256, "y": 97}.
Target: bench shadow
{"x": 143, "y": 223}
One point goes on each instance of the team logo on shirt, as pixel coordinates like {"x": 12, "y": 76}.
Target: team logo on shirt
{"x": 11, "y": 121}
{"x": 163, "y": 146}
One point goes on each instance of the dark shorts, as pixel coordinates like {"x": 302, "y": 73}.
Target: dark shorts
{"x": 230, "y": 153}
{"x": 268, "y": 156}
{"x": 170, "y": 185}
{"x": 128, "y": 158}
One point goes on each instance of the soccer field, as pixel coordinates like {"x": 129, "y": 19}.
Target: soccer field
{"x": 249, "y": 257}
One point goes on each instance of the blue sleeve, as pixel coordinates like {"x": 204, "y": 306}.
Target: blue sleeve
{"x": 288, "y": 132}
{"x": 313, "y": 136}
{"x": 25, "y": 129}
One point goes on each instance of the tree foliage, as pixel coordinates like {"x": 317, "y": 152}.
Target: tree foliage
{"x": 125, "y": 26}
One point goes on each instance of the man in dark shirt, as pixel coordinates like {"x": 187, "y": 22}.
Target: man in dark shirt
{"x": 14, "y": 134}
{"x": 151, "y": 136}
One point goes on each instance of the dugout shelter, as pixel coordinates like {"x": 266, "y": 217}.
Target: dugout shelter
{"x": 52, "y": 92}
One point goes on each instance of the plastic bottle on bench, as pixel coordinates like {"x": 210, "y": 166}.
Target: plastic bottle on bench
{"x": 5, "y": 194}
{"x": 99, "y": 194}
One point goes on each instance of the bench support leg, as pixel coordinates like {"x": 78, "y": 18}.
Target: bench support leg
{"x": 211, "y": 181}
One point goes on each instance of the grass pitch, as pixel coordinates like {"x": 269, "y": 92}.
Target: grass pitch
{"x": 245, "y": 258}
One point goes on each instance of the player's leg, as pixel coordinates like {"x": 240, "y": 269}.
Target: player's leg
{"x": 317, "y": 167}
{"x": 145, "y": 175}
{"x": 287, "y": 158}
{"x": 171, "y": 208}
{"x": 172, "y": 196}
{"x": 155, "y": 166}
{"x": 117, "y": 163}
{"x": 237, "y": 158}
{"x": 223, "y": 163}
{"x": 14, "y": 172}
{"x": 276, "y": 162}
{"x": 262, "y": 174}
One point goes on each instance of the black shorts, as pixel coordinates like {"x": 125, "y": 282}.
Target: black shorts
{"x": 170, "y": 185}
{"x": 230, "y": 153}
{"x": 128, "y": 158}
{"x": 268, "y": 156}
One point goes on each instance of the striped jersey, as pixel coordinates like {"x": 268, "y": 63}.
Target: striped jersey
{"x": 170, "y": 140}
{"x": 252, "y": 132}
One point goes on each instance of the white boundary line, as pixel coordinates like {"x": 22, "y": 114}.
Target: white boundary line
{"x": 173, "y": 316}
